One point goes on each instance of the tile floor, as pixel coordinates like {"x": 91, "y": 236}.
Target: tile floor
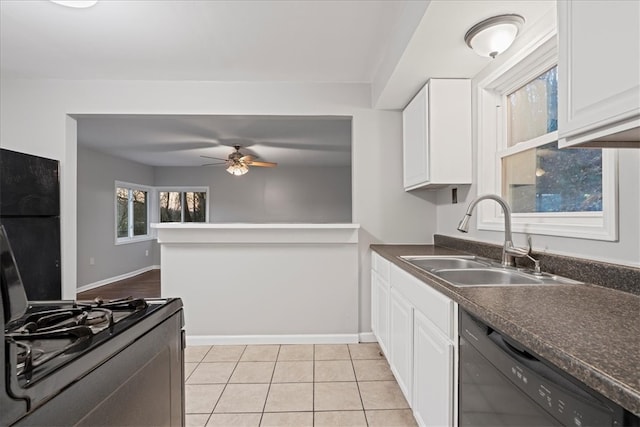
{"x": 292, "y": 385}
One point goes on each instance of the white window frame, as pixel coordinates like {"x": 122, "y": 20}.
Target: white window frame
{"x": 181, "y": 190}
{"x": 539, "y": 56}
{"x": 131, "y": 238}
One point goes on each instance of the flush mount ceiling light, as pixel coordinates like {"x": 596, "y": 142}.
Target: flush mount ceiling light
{"x": 494, "y": 35}
{"x": 78, "y": 4}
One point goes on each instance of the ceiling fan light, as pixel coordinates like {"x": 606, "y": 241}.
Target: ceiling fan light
{"x": 237, "y": 169}
{"x": 494, "y": 35}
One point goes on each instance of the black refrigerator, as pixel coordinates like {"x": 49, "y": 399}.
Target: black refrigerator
{"x": 30, "y": 213}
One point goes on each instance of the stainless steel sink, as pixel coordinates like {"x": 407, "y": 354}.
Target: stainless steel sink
{"x": 442, "y": 262}
{"x": 472, "y": 271}
{"x": 486, "y": 277}
{"x": 495, "y": 276}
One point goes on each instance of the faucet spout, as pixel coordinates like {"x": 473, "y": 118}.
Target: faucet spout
{"x": 508, "y": 251}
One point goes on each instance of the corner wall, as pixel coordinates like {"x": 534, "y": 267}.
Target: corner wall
{"x": 97, "y": 173}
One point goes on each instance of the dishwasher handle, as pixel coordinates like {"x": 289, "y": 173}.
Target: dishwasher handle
{"x": 514, "y": 348}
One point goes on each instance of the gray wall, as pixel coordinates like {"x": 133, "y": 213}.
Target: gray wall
{"x": 97, "y": 174}
{"x": 281, "y": 194}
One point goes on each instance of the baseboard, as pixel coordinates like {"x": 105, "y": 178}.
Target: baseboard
{"x": 110, "y": 280}
{"x": 367, "y": 337}
{"x": 193, "y": 340}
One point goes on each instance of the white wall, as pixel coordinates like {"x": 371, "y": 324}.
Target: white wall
{"x": 97, "y": 173}
{"x": 33, "y": 119}
{"x": 625, "y": 251}
{"x": 282, "y": 194}
{"x": 244, "y": 283}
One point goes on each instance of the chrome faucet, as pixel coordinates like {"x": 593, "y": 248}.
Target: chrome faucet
{"x": 509, "y": 252}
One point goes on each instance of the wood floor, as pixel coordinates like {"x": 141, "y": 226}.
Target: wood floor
{"x": 145, "y": 285}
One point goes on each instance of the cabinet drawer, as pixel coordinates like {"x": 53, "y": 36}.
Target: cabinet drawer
{"x": 437, "y": 307}
{"x": 380, "y": 266}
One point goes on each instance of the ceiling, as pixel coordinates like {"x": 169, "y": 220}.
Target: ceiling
{"x": 319, "y": 41}
{"x": 158, "y": 140}
{"x": 392, "y": 45}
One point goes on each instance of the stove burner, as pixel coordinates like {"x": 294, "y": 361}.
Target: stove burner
{"x": 29, "y": 358}
{"x": 76, "y": 324}
{"x": 127, "y": 303}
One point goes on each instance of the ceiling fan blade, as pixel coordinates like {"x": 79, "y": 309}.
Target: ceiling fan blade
{"x": 214, "y": 164}
{"x": 247, "y": 159}
{"x": 215, "y": 158}
{"x": 263, "y": 164}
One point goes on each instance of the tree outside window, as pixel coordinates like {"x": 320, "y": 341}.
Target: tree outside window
{"x": 132, "y": 212}
{"x": 536, "y": 175}
{"x": 183, "y": 206}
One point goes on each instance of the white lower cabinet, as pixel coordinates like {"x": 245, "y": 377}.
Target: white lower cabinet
{"x": 416, "y": 327}
{"x": 401, "y": 341}
{"x": 380, "y": 310}
{"x": 380, "y": 300}
{"x": 433, "y": 382}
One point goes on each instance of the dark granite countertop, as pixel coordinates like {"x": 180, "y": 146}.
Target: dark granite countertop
{"x": 589, "y": 331}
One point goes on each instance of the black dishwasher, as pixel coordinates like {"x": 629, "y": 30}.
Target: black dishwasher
{"x": 504, "y": 384}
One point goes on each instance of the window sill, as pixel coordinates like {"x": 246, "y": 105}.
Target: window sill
{"x": 138, "y": 239}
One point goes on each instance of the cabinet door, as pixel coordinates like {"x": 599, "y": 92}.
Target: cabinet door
{"x": 415, "y": 140}
{"x": 432, "y": 374}
{"x": 599, "y": 87}
{"x": 401, "y": 340}
{"x": 380, "y": 310}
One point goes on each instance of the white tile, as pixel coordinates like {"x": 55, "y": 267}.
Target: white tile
{"x": 339, "y": 419}
{"x": 196, "y": 420}
{"x": 296, "y": 352}
{"x": 394, "y": 417}
{"x": 234, "y": 420}
{"x": 296, "y": 371}
{"x": 382, "y": 395}
{"x": 196, "y": 353}
{"x": 334, "y": 370}
{"x": 290, "y": 397}
{"x": 253, "y": 372}
{"x": 287, "y": 419}
{"x": 331, "y": 352}
{"x": 201, "y": 398}
{"x": 212, "y": 373}
{"x": 260, "y": 353}
{"x": 242, "y": 398}
{"x": 189, "y": 367}
{"x": 224, "y": 353}
{"x": 373, "y": 370}
{"x": 365, "y": 351}
{"x": 336, "y": 397}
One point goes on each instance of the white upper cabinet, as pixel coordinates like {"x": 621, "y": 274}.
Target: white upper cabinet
{"x": 599, "y": 73}
{"x": 436, "y": 128}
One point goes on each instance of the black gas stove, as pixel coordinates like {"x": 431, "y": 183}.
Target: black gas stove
{"x": 117, "y": 362}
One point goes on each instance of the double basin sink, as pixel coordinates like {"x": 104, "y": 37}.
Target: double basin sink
{"x": 470, "y": 271}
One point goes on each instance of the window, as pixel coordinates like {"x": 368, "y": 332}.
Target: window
{"x": 536, "y": 175}
{"x": 132, "y": 212}
{"x": 570, "y": 192}
{"x": 188, "y": 205}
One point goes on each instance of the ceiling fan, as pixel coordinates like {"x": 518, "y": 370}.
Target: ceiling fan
{"x": 238, "y": 163}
